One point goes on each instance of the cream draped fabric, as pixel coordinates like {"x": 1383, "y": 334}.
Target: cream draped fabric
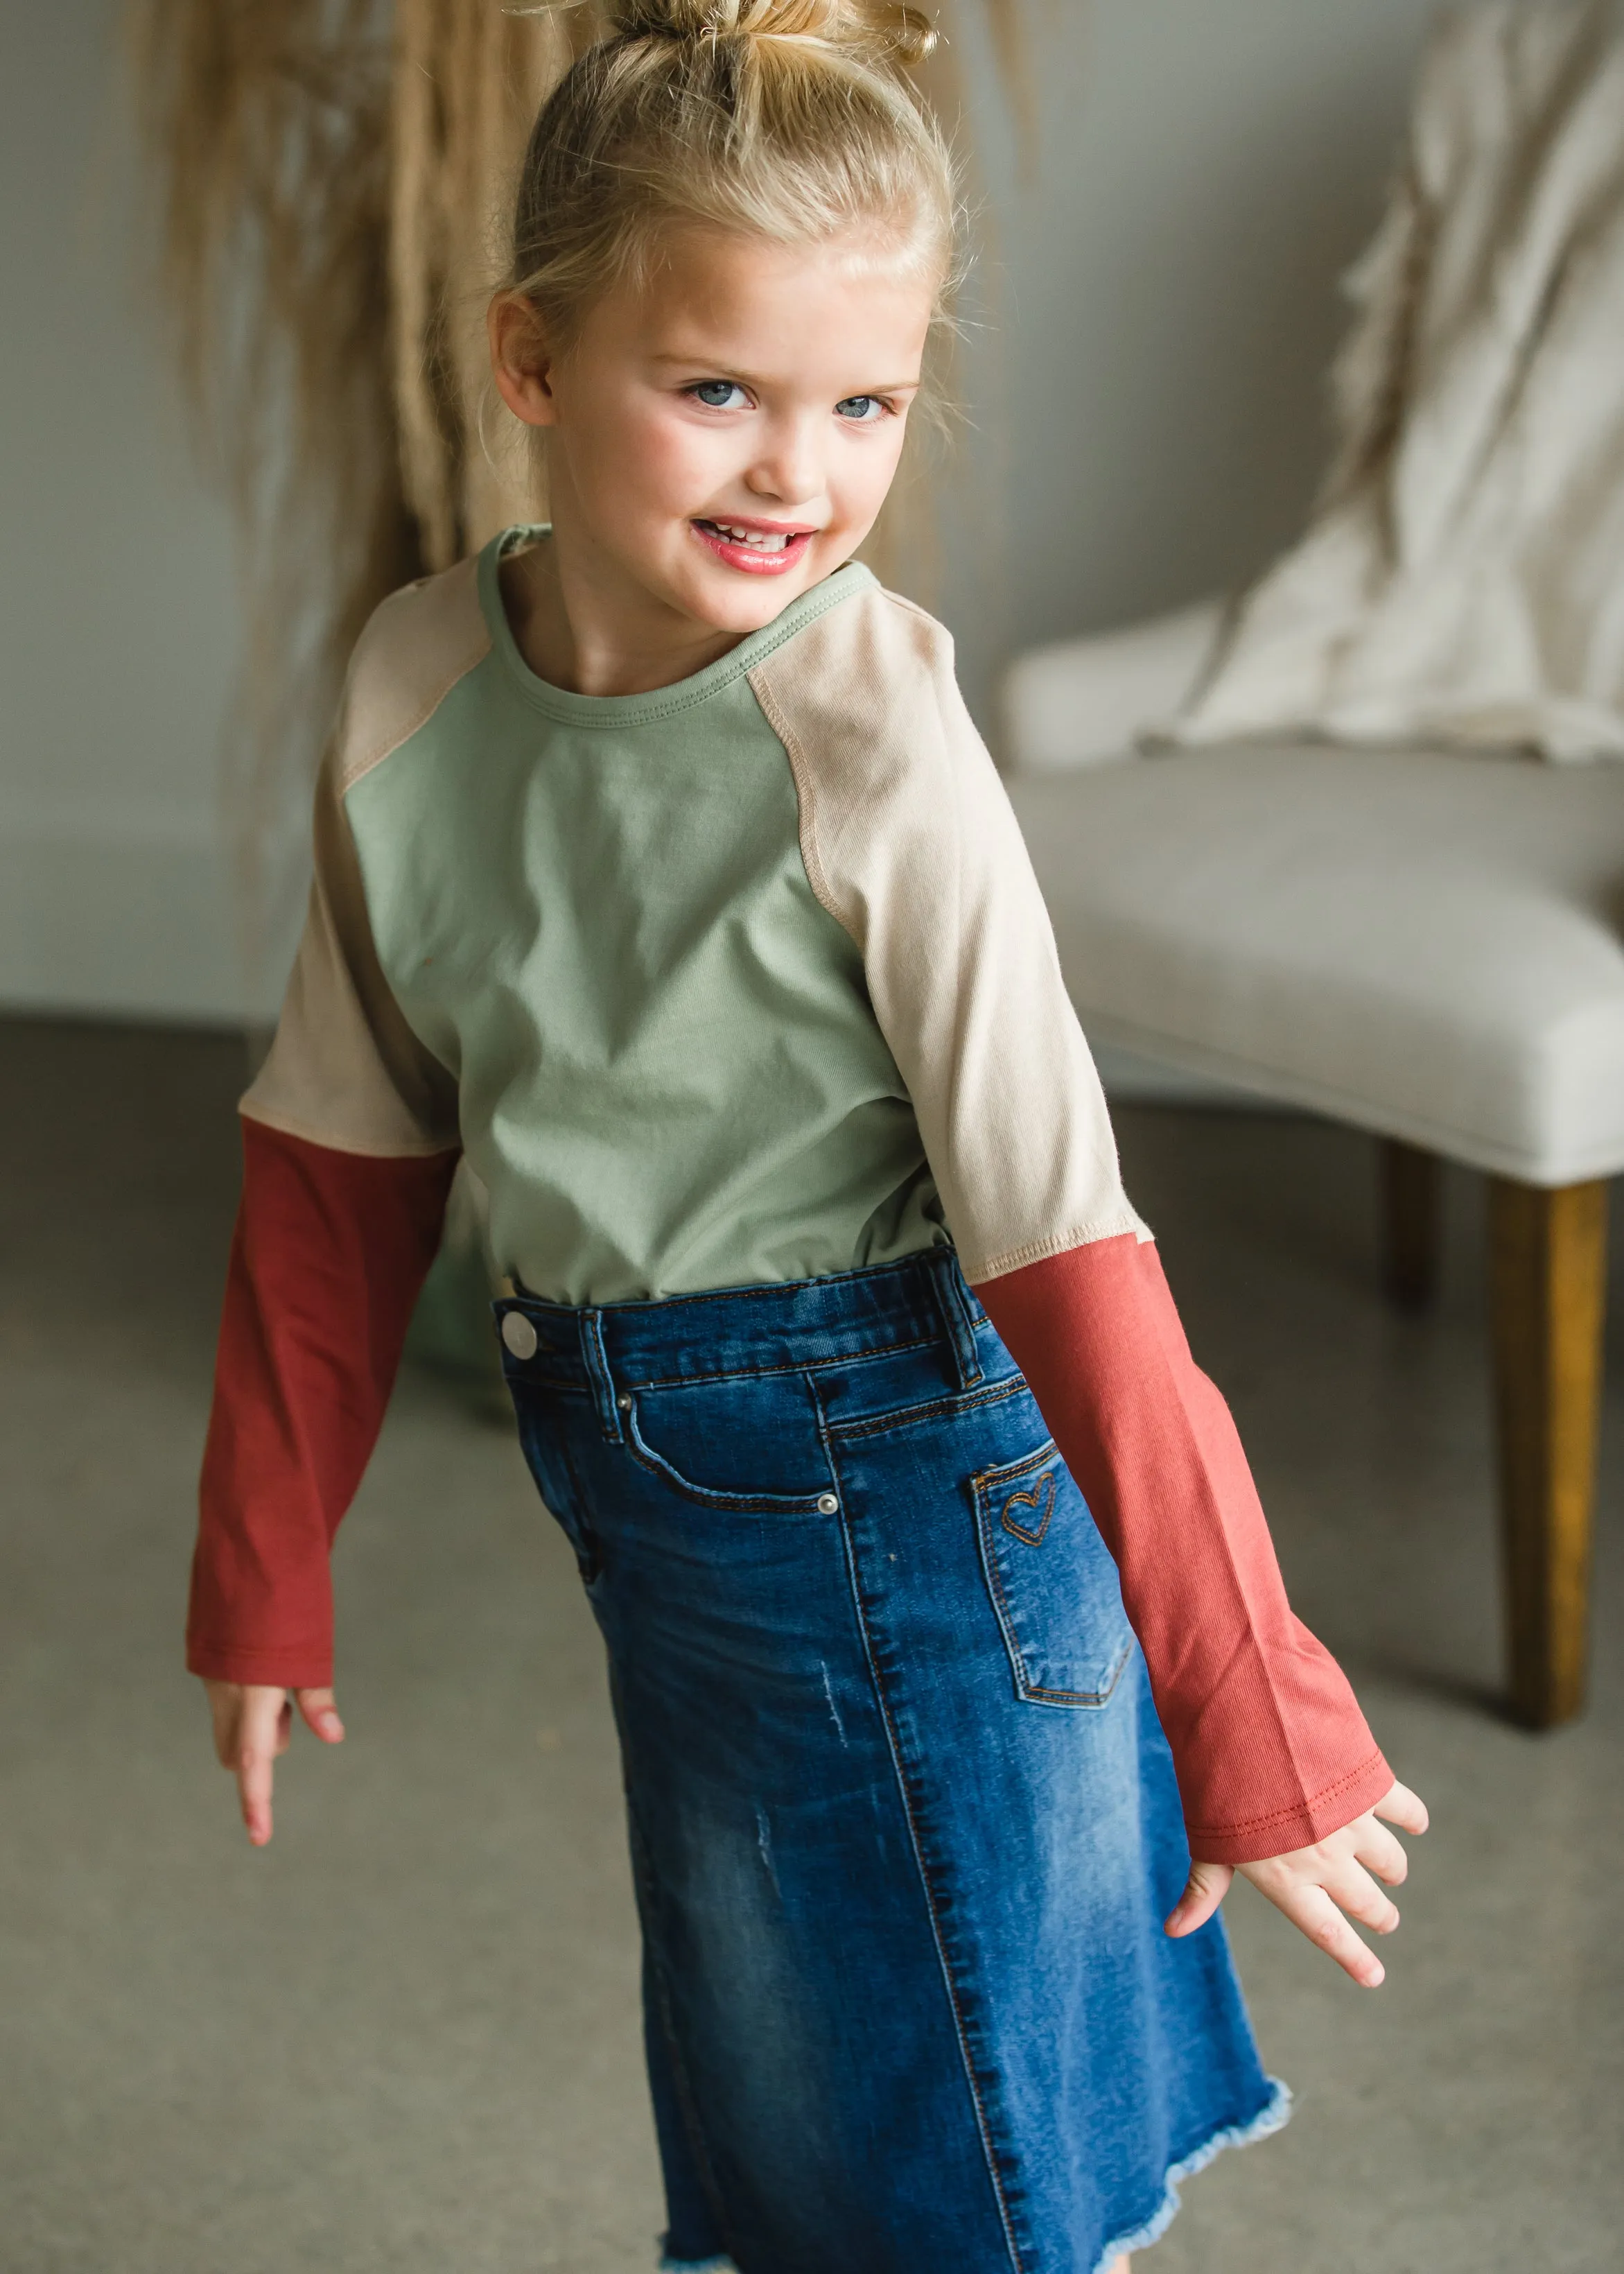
{"x": 1463, "y": 581}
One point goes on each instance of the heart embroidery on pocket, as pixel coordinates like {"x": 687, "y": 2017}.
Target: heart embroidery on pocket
{"x": 1039, "y": 1495}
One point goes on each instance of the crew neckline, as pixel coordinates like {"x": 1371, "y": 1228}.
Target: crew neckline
{"x": 656, "y": 702}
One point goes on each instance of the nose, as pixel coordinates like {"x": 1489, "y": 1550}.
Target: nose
{"x": 788, "y": 469}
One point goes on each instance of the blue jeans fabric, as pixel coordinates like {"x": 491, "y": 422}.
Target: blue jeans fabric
{"x": 903, "y": 1822}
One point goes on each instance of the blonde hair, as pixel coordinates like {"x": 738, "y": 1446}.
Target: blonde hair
{"x": 788, "y": 119}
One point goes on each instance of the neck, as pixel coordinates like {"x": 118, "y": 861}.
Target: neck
{"x": 581, "y": 625}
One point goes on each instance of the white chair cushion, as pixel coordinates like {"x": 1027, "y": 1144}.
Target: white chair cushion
{"x": 1423, "y": 943}
{"x": 1084, "y": 702}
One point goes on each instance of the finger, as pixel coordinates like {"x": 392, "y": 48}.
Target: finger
{"x": 285, "y": 1727}
{"x": 1401, "y": 1806}
{"x": 256, "y": 1774}
{"x": 1355, "y": 1892}
{"x": 320, "y": 1710}
{"x": 264, "y": 1711}
{"x": 1312, "y": 1912}
{"x": 1204, "y": 1889}
{"x": 1380, "y": 1852}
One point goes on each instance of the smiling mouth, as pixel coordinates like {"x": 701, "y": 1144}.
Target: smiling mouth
{"x": 757, "y": 551}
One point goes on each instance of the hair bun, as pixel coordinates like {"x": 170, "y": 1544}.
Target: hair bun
{"x": 889, "y": 28}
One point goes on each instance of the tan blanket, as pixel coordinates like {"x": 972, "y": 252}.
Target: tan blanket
{"x": 1463, "y": 580}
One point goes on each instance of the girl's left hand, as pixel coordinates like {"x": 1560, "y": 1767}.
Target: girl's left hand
{"x": 1315, "y": 1885}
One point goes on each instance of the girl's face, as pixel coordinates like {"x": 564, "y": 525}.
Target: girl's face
{"x": 723, "y": 435}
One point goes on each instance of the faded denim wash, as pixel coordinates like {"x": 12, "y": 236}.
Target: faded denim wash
{"x": 904, "y": 1824}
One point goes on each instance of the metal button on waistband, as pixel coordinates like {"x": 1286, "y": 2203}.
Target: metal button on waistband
{"x": 827, "y": 1503}
{"x": 520, "y": 1337}
{"x": 624, "y": 1402}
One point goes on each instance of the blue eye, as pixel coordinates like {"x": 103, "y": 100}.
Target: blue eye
{"x": 861, "y": 410}
{"x": 714, "y": 394}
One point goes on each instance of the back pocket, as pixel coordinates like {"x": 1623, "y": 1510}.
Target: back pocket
{"x": 1052, "y": 1581}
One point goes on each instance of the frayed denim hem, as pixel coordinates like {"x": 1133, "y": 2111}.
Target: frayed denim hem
{"x": 1269, "y": 2120}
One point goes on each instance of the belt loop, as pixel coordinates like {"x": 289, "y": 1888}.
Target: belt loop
{"x": 955, "y": 1318}
{"x": 596, "y": 1359}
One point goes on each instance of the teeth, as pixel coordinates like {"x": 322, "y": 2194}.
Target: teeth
{"x": 763, "y": 541}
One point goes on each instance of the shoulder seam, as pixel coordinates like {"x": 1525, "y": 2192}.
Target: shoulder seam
{"x": 913, "y": 608}
{"x": 348, "y": 775}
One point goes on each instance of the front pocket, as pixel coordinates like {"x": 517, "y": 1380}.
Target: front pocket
{"x": 748, "y": 1443}
{"x": 1052, "y": 1581}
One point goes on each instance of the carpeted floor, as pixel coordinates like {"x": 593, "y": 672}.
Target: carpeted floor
{"x": 404, "y": 2037}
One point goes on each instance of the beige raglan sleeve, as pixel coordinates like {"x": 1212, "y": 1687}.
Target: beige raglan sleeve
{"x": 909, "y": 840}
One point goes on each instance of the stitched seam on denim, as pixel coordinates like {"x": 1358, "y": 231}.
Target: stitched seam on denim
{"x": 982, "y": 1485}
{"x": 524, "y": 1369}
{"x": 917, "y": 1259}
{"x": 792, "y": 1365}
{"x": 707, "y": 1496}
{"x": 519, "y": 1375}
{"x": 965, "y": 1400}
{"x": 982, "y": 2122}
{"x": 599, "y": 1374}
{"x": 1006, "y": 1472}
{"x": 955, "y": 1318}
{"x": 1035, "y": 1696}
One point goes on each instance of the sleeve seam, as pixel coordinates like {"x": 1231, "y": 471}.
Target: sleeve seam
{"x": 348, "y": 774}
{"x": 806, "y": 796}
{"x": 1306, "y": 1806}
{"x": 1061, "y": 1243}
{"x": 425, "y": 1149}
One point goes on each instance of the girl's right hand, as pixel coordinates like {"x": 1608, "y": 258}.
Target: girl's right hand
{"x": 253, "y": 1722}
{"x": 1315, "y": 1886}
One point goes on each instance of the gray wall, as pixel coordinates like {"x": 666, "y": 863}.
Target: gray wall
{"x": 1162, "y": 303}
{"x": 115, "y": 602}
{"x": 1158, "y": 305}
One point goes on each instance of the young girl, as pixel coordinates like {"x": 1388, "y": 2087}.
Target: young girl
{"x": 659, "y": 869}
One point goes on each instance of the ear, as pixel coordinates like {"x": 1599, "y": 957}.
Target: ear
{"x": 520, "y": 360}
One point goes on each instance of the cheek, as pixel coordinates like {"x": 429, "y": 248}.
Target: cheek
{"x": 656, "y": 461}
{"x": 865, "y": 470}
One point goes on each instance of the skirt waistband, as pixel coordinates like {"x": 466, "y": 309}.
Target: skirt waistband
{"x": 612, "y": 1348}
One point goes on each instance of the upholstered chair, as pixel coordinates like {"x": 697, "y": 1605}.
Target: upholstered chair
{"x": 1421, "y": 942}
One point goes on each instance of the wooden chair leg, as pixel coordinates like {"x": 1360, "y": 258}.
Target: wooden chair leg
{"x": 1548, "y": 1255}
{"x": 1411, "y": 1223}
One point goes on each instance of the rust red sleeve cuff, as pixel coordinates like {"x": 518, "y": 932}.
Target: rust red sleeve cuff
{"x": 1270, "y": 1747}
{"x": 327, "y": 1260}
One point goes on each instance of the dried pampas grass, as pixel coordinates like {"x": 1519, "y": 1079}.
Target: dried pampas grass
{"x": 327, "y": 172}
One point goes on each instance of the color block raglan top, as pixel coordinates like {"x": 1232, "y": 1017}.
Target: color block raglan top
{"x": 744, "y": 980}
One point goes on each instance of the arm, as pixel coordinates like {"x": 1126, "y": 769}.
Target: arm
{"x": 910, "y": 842}
{"x": 1271, "y": 1749}
{"x": 330, "y": 1252}
{"x": 349, "y": 1144}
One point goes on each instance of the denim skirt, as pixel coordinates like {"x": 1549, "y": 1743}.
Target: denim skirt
{"x": 903, "y": 1822}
